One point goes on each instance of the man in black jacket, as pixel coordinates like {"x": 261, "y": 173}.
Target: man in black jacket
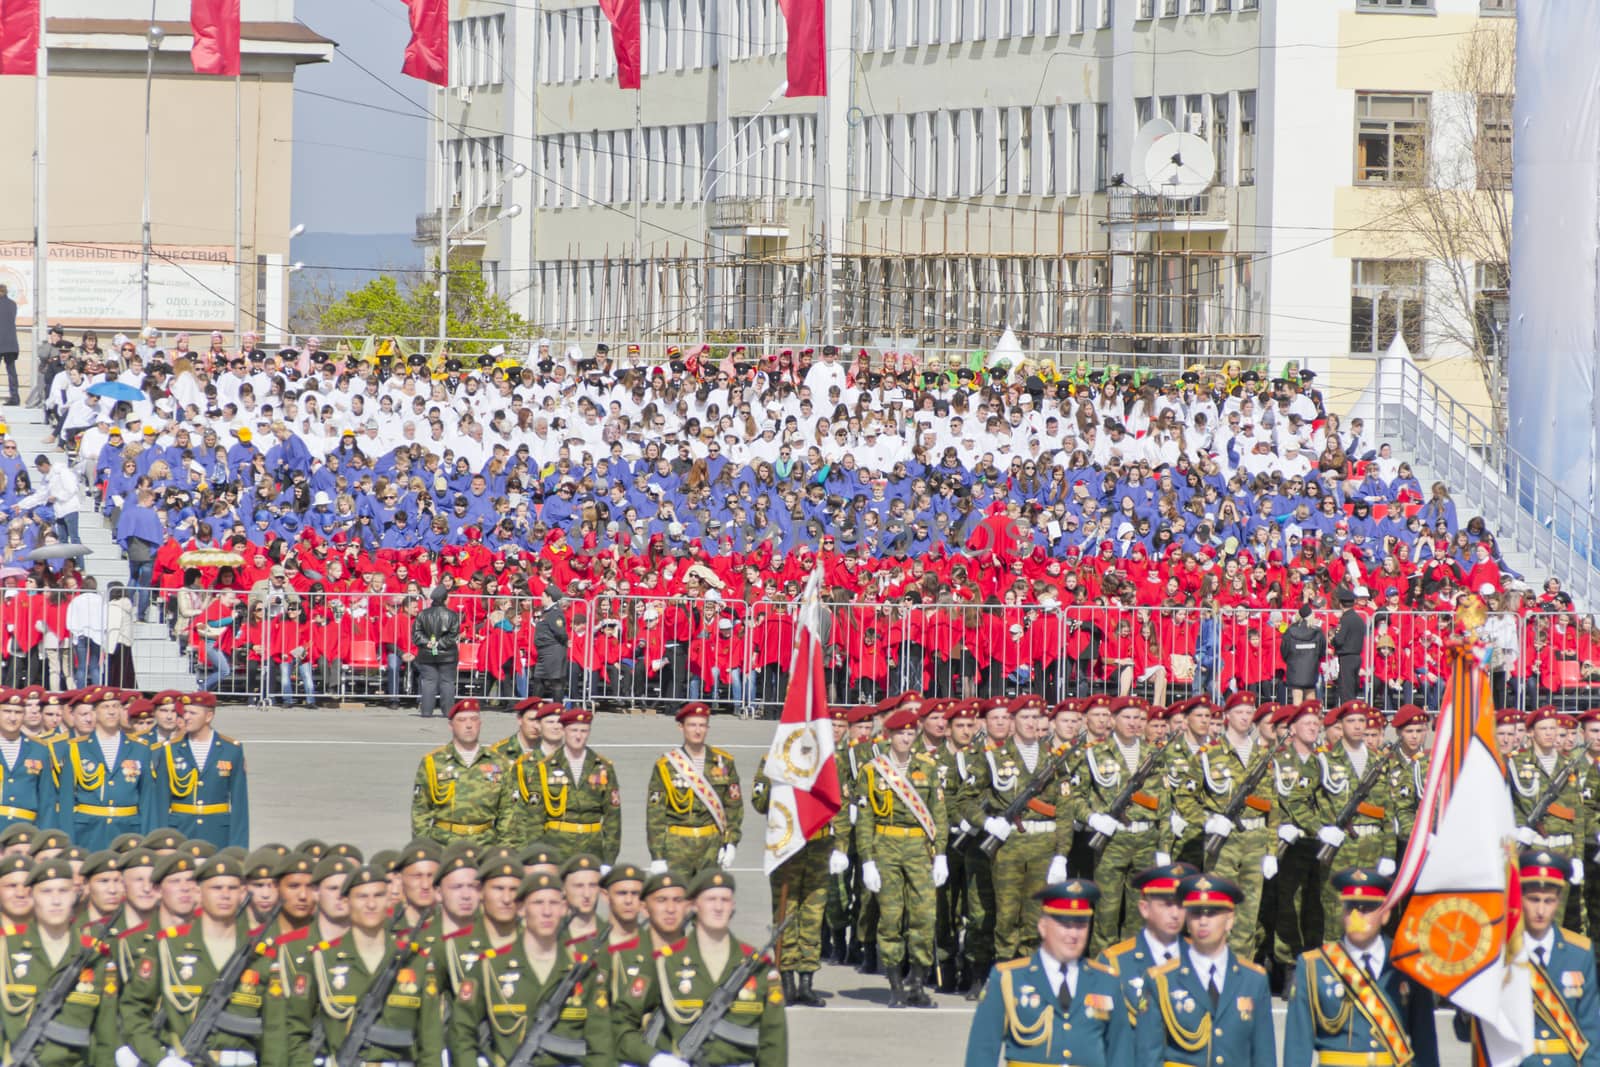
{"x": 1302, "y": 649}
{"x": 1348, "y": 640}
{"x": 436, "y": 631}
{"x": 550, "y": 642}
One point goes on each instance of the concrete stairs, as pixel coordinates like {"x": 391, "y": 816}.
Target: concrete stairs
{"x": 158, "y": 661}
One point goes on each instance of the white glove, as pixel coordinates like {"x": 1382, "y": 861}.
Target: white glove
{"x": 658, "y": 866}
{"x": 605, "y": 869}
{"x": 126, "y": 1057}
{"x": 997, "y": 827}
{"x": 838, "y": 862}
{"x": 965, "y": 827}
{"x": 173, "y": 1061}
{"x": 854, "y": 811}
{"x": 1269, "y": 866}
{"x": 1220, "y": 825}
{"x": 941, "y": 871}
{"x": 725, "y": 857}
{"x": 1577, "y": 872}
{"x": 1385, "y": 867}
{"x": 1331, "y": 836}
{"x": 1057, "y": 872}
{"x": 1163, "y": 858}
{"x": 1525, "y": 835}
{"x": 1179, "y": 824}
{"x": 1289, "y": 833}
{"x": 667, "y": 1059}
{"x": 1102, "y": 823}
{"x": 870, "y": 877}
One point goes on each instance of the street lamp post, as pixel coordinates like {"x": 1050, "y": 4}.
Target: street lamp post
{"x": 153, "y": 37}
{"x": 444, "y": 239}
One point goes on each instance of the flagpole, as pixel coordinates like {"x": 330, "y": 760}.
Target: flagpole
{"x": 638, "y": 218}
{"x": 238, "y": 205}
{"x": 41, "y": 174}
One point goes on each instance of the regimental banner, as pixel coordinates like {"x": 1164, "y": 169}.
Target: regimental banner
{"x": 191, "y": 286}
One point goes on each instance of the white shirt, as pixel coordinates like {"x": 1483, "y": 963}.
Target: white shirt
{"x": 1547, "y": 943}
{"x": 1377, "y": 950}
{"x": 1210, "y": 968}
{"x": 1058, "y": 972}
{"x": 1160, "y": 953}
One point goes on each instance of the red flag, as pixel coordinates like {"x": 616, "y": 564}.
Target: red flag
{"x": 19, "y": 36}
{"x": 216, "y": 36}
{"x": 807, "y": 22}
{"x": 624, "y": 18}
{"x": 428, "y": 54}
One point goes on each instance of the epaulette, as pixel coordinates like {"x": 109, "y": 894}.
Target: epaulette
{"x": 1011, "y": 965}
{"x": 667, "y": 950}
{"x": 624, "y": 946}
{"x": 1576, "y": 940}
{"x": 1102, "y": 968}
{"x": 139, "y": 739}
{"x": 1168, "y": 967}
{"x": 224, "y": 737}
{"x": 721, "y": 753}
{"x": 1120, "y": 947}
{"x": 173, "y": 931}
{"x": 130, "y": 931}
{"x": 1251, "y": 965}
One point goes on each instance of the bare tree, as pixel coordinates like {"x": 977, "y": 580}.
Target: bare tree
{"x": 1455, "y": 211}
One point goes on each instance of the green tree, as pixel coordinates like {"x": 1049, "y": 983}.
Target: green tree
{"x": 408, "y": 306}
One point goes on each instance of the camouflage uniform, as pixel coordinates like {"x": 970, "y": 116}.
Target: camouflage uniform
{"x": 1590, "y": 781}
{"x": 863, "y": 905}
{"x": 1255, "y": 832}
{"x": 678, "y": 827}
{"x": 1408, "y": 776}
{"x": 801, "y": 883}
{"x": 1565, "y": 827}
{"x": 579, "y": 813}
{"x": 889, "y": 835}
{"x": 1103, "y": 772}
{"x": 1370, "y": 835}
{"x": 457, "y": 801}
{"x": 1182, "y": 835}
{"x": 1299, "y": 919}
{"x": 960, "y": 914}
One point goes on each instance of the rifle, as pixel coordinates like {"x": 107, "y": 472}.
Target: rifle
{"x": 1132, "y": 791}
{"x": 539, "y": 1038}
{"x": 1042, "y": 780}
{"x": 209, "y": 1014}
{"x": 1354, "y": 803}
{"x": 1546, "y": 803}
{"x": 377, "y": 994}
{"x": 54, "y": 998}
{"x": 710, "y": 1022}
{"x": 1241, "y": 797}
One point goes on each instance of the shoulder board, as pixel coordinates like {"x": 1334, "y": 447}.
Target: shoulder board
{"x": 1312, "y": 954}
{"x": 667, "y": 950}
{"x": 624, "y": 946}
{"x": 1096, "y": 965}
{"x": 1011, "y": 965}
{"x": 1576, "y": 940}
{"x": 1168, "y": 967}
{"x": 1120, "y": 947}
{"x": 1251, "y": 965}
{"x": 722, "y": 753}
{"x": 292, "y": 936}
{"x": 138, "y": 739}
{"x": 173, "y": 931}
{"x": 441, "y": 750}
{"x": 130, "y": 931}
{"x": 459, "y": 933}
{"x": 224, "y": 737}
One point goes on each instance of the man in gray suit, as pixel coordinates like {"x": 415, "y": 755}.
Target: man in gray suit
{"x": 8, "y": 344}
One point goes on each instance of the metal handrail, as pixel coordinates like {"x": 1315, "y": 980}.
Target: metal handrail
{"x": 1527, "y": 509}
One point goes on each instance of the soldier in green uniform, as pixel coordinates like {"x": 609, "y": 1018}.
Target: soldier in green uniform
{"x": 682, "y": 976}
{"x": 582, "y": 929}
{"x": 501, "y": 993}
{"x": 1296, "y": 776}
{"x": 1034, "y": 848}
{"x": 343, "y": 974}
{"x": 1056, "y": 1005}
{"x": 836, "y": 906}
{"x": 863, "y": 747}
{"x": 35, "y": 955}
{"x": 1408, "y": 771}
{"x": 417, "y": 864}
{"x": 901, "y": 834}
{"x": 571, "y": 797}
{"x": 961, "y": 917}
{"x": 460, "y": 790}
{"x": 537, "y": 720}
{"x": 694, "y": 811}
{"x": 1369, "y": 839}
{"x": 1248, "y": 856}
{"x": 182, "y": 966}
{"x": 1564, "y": 827}
{"x": 103, "y": 893}
{"x": 1104, "y": 769}
{"x": 454, "y": 932}
{"x": 1183, "y": 838}
{"x": 1347, "y": 1002}
{"x": 1589, "y": 724}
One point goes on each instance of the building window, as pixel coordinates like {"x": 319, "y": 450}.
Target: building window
{"x": 1197, "y": 7}
{"x": 1146, "y": 10}
{"x": 1223, "y": 5}
{"x": 1025, "y": 151}
{"x": 1105, "y": 15}
{"x": 1071, "y": 152}
{"x": 1219, "y": 137}
{"x": 1497, "y": 7}
{"x": 1494, "y": 142}
{"x": 1492, "y": 310}
{"x": 1249, "y": 5}
{"x": 1247, "y": 137}
{"x": 1394, "y": 5}
{"x": 1391, "y": 135}
{"x": 1102, "y": 146}
{"x": 1169, "y": 9}
{"x": 1386, "y": 298}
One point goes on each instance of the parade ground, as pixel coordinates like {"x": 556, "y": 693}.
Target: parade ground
{"x": 347, "y": 776}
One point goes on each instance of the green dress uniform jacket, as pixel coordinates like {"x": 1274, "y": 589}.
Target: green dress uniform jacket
{"x": 1222, "y": 772}
{"x": 1020, "y": 1021}
{"x": 210, "y": 803}
{"x": 1130, "y": 960}
{"x": 332, "y": 989}
{"x": 176, "y": 974}
{"x": 583, "y": 812}
{"x": 85, "y": 1029}
{"x": 677, "y": 982}
{"x": 1295, "y": 782}
{"x": 1566, "y": 1025}
{"x": 101, "y": 799}
{"x": 454, "y": 800}
{"x": 1178, "y": 1026}
{"x": 28, "y": 787}
{"x": 675, "y": 815}
{"x": 503, "y": 991}
{"x": 1339, "y": 1017}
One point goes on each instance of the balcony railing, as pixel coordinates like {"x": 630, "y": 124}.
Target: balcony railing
{"x": 427, "y": 231}
{"x": 1129, "y": 206}
{"x": 757, "y": 215}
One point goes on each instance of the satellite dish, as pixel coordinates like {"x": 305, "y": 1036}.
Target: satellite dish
{"x": 1148, "y": 134}
{"x": 1179, "y": 165}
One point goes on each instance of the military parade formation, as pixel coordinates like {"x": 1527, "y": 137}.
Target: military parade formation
{"x": 1102, "y": 878}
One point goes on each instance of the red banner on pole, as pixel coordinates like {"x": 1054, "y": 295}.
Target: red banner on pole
{"x": 216, "y": 36}
{"x": 428, "y": 54}
{"x": 19, "y": 36}
{"x": 624, "y": 18}
{"x": 807, "y": 22}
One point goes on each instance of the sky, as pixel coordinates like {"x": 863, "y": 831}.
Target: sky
{"x": 358, "y": 169}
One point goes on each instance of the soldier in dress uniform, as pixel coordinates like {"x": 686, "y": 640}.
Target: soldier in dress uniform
{"x": 1247, "y": 857}
{"x": 1296, "y": 776}
{"x": 1408, "y": 770}
{"x": 582, "y": 929}
{"x": 27, "y": 778}
{"x": 1183, "y": 838}
{"x": 1564, "y": 827}
{"x": 682, "y": 976}
{"x": 34, "y": 956}
{"x": 573, "y": 794}
{"x": 452, "y": 930}
{"x": 963, "y": 934}
{"x": 901, "y": 834}
{"x": 529, "y": 736}
{"x": 1158, "y": 940}
{"x": 864, "y": 745}
{"x": 1056, "y": 1005}
{"x": 1103, "y": 771}
{"x": 182, "y": 965}
{"x": 1369, "y": 840}
{"x": 501, "y": 993}
{"x": 1208, "y": 1007}
{"x": 200, "y": 786}
{"x": 106, "y": 778}
{"x": 343, "y": 974}
{"x": 1589, "y": 725}
{"x": 460, "y": 791}
{"x": 1348, "y": 1004}
{"x": 694, "y": 810}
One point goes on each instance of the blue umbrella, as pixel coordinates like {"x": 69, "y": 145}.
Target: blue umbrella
{"x": 116, "y": 391}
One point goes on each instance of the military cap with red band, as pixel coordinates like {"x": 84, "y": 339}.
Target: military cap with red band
{"x": 1069, "y": 900}
{"x": 1541, "y": 867}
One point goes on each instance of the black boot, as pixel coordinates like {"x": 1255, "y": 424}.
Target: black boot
{"x": 949, "y": 977}
{"x": 980, "y": 978}
{"x": 804, "y": 995}
{"x": 1276, "y": 978}
{"x": 897, "y": 995}
{"x": 869, "y": 960}
{"x": 916, "y": 995}
{"x": 857, "y": 950}
{"x": 839, "y": 952}
{"x": 827, "y": 944}
{"x": 788, "y": 986}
